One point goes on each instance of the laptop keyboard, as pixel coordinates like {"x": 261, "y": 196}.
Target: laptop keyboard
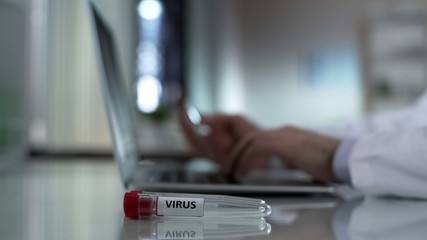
{"x": 188, "y": 177}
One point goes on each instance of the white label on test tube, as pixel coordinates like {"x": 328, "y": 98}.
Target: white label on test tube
{"x": 173, "y": 206}
{"x": 180, "y": 230}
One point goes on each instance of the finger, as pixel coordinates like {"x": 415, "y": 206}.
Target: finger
{"x": 233, "y": 127}
{"x": 216, "y": 119}
{"x": 195, "y": 141}
{"x": 230, "y": 165}
{"x": 221, "y": 143}
{"x": 241, "y": 126}
{"x": 183, "y": 118}
{"x": 288, "y": 164}
{"x": 220, "y": 140}
{"x": 254, "y": 157}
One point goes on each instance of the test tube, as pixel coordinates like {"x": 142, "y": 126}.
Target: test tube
{"x": 139, "y": 204}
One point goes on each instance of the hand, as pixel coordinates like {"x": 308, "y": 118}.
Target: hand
{"x": 226, "y": 131}
{"x": 298, "y": 149}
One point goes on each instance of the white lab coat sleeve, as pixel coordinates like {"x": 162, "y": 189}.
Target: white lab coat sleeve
{"x": 391, "y": 163}
{"x": 341, "y": 160}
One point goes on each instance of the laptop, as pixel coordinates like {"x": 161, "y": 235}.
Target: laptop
{"x": 171, "y": 175}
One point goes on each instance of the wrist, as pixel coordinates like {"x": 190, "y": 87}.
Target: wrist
{"x": 321, "y": 159}
{"x": 329, "y": 173}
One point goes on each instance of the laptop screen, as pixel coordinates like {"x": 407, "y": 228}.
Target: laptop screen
{"x": 115, "y": 97}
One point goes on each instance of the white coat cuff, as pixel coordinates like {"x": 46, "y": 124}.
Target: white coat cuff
{"x": 342, "y": 160}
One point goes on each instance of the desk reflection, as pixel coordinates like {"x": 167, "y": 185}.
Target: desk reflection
{"x": 381, "y": 218}
{"x": 193, "y": 229}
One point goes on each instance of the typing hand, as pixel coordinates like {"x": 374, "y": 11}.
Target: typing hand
{"x": 298, "y": 149}
{"x": 225, "y": 132}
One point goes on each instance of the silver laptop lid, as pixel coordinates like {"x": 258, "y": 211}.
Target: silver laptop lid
{"x": 115, "y": 98}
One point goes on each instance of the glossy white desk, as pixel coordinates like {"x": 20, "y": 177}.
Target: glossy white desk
{"x": 83, "y": 200}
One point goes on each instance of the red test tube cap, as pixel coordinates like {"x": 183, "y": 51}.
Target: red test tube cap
{"x": 135, "y": 207}
{"x": 130, "y": 205}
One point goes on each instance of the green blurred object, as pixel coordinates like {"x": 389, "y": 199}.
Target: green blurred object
{"x": 9, "y": 103}
{"x": 9, "y": 112}
{"x": 12, "y": 127}
{"x": 161, "y": 114}
{"x": 8, "y": 138}
{"x": 14, "y": 68}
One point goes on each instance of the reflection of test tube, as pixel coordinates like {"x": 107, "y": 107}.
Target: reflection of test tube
{"x": 160, "y": 228}
{"x": 149, "y": 204}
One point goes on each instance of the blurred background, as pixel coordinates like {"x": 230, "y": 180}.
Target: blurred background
{"x": 308, "y": 63}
